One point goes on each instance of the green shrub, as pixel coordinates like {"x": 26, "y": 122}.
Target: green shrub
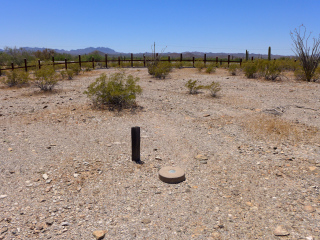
{"x": 211, "y": 69}
{"x": 16, "y": 78}
{"x": 46, "y": 78}
{"x": 199, "y": 65}
{"x": 193, "y": 86}
{"x": 114, "y": 91}
{"x": 159, "y": 69}
{"x": 250, "y": 69}
{"x": 178, "y": 65}
{"x": 234, "y": 69}
{"x": 273, "y": 70}
{"x": 214, "y": 88}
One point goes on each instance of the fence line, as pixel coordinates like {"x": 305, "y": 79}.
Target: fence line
{"x": 119, "y": 60}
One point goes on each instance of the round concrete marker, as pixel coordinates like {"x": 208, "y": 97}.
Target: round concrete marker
{"x": 171, "y": 175}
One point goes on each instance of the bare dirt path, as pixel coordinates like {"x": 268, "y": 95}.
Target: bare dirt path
{"x": 251, "y": 157}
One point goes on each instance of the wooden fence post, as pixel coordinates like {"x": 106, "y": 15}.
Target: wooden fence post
{"x": 180, "y": 57}
{"x": 12, "y": 66}
{"x": 192, "y": 61}
{"x": 252, "y": 59}
{"x": 39, "y": 63}
{"x": 25, "y": 65}
{"x": 119, "y": 61}
{"x": 66, "y": 64}
{"x": 217, "y": 61}
{"x": 169, "y": 59}
{"x": 205, "y": 59}
{"x": 228, "y": 60}
{"x": 131, "y": 60}
{"x": 144, "y": 60}
{"x": 53, "y": 62}
{"x": 240, "y": 61}
{"x": 80, "y": 61}
{"x": 106, "y": 59}
{"x": 92, "y": 63}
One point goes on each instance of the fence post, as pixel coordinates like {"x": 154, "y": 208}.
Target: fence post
{"x": 240, "y": 61}
{"x": 192, "y": 61}
{"x": 92, "y": 63}
{"x": 119, "y": 61}
{"x": 180, "y": 57}
{"x": 205, "y": 59}
{"x": 252, "y": 59}
{"x": 217, "y": 61}
{"x": 228, "y": 60}
{"x": 53, "y": 62}
{"x": 169, "y": 59}
{"x": 39, "y": 63}
{"x": 25, "y": 65}
{"x": 131, "y": 60}
{"x": 135, "y": 141}
{"x": 80, "y": 61}
{"x": 0, "y": 71}
{"x": 66, "y": 64}
{"x": 12, "y": 66}
{"x": 144, "y": 60}
{"x": 106, "y": 58}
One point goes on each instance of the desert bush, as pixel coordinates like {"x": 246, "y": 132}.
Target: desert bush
{"x": 199, "y": 65}
{"x": 159, "y": 69}
{"x": 177, "y": 65}
{"x": 273, "y": 70}
{"x": 69, "y": 73}
{"x": 211, "y": 69}
{"x": 86, "y": 67}
{"x": 46, "y": 78}
{"x": 114, "y": 91}
{"x": 193, "y": 86}
{"x": 16, "y": 78}
{"x": 309, "y": 56}
{"x": 233, "y": 69}
{"x": 250, "y": 69}
{"x": 214, "y": 88}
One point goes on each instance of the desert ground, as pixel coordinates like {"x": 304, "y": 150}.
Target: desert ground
{"x": 251, "y": 158}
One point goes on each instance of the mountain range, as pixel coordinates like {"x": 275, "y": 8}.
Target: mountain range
{"x": 105, "y": 50}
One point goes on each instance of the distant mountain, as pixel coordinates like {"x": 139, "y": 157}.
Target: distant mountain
{"x": 77, "y": 51}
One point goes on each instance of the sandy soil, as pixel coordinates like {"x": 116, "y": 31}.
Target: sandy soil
{"x": 251, "y": 157}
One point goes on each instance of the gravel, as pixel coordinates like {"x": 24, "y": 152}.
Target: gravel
{"x": 66, "y": 170}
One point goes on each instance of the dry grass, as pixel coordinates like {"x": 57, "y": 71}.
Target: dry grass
{"x": 273, "y": 128}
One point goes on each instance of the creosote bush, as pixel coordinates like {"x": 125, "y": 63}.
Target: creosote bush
{"x": 233, "y": 69}
{"x": 115, "y": 91}
{"x": 211, "y": 69}
{"x": 16, "y": 78}
{"x": 159, "y": 69}
{"x": 46, "y": 78}
{"x": 194, "y": 88}
{"x": 250, "y": 69}
{"x": 199, "y": 65}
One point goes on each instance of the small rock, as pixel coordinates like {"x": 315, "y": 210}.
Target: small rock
{"x": 48, "y": 189}
{"x": 75, "y": 175}
{"x": 65, "y": 224}
{"x": 146, "y": 221}
{"x": 45, "y": 176}
{"x": 280, "y": 231}
{"x": 201, "y": 157}
{"x": 3, "y": 196}
{"x": 158, "y": 158}
{"x": 309, "y": 209}
{"x": 99, "y": 234}
{"x": 312, "y": 168}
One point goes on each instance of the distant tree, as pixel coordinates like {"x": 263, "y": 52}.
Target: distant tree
{"x": 309, "y": 57}
{"x": 45, "y": 54}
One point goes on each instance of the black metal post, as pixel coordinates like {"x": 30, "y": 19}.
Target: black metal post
{"x": 135, "y": 139}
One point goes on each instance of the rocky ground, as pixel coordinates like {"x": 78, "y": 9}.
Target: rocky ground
{"x": 251, "y": 157}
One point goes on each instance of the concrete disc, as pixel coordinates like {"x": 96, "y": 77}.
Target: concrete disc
{"x": 171, "y": 175}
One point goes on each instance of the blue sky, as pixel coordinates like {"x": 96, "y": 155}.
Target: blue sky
{"x": 133, "y": 25}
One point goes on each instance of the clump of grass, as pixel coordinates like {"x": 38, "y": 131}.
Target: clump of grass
{"x": 277, "y": 129}
{"x": 193, "y": 86}
{"x": 213, "y": 88}
{"x": 211, "y": 69}
{"x": 46, "y": 78}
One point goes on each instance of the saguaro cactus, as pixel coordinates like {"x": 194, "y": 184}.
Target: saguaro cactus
{"x": 247, "y": 55}
{"x": 269, "y": 53}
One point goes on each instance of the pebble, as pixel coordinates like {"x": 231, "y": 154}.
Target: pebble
{"x": 146, "y": 221}
{"x": 99, "y": 234}
{"x": 280, "y": 231}
{"x": 45, "y": 176}
{"x": 3, "y": 196}
{"x": 309, "y": 209}
{"x": 201, "y": 157}
{"x": 65, "y": 224}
